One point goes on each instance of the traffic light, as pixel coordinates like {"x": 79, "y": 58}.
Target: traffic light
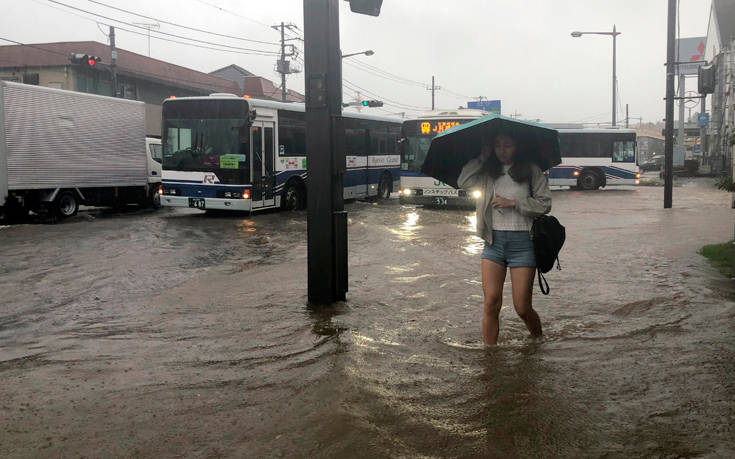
{"x": 84, "y": 60}
{"x": 372, "y": 103}
{"x": 369, "y": 7}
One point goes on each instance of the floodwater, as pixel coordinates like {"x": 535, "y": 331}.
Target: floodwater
{"x": 174, "y": 333}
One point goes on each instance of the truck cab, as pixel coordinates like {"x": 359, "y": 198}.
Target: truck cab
{"x": 155, "y": 158}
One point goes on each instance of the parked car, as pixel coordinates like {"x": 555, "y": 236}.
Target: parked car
{"x": 654, "y": 164}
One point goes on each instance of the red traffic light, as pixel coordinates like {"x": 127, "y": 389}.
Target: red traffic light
{"x": 84, "y": 60}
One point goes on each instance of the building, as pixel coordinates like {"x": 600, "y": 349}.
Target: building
{"x": 649, "y": 145}
{"x": 719, "y": 51}
{"x": 255, "y": 86}
{"x": 139, "y": 77}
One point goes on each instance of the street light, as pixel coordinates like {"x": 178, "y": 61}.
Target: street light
{"x": 614, "y": 34}
{"x": 369, "y": 52}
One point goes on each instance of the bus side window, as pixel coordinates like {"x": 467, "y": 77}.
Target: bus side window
{"x": 291, "y": 134}
{"x": 356, "y": 138}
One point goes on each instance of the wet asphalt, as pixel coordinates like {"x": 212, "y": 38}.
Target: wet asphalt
{"x": 173, "y": 333}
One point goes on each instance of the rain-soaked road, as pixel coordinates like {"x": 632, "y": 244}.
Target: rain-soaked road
{"x": 178, "y": 334}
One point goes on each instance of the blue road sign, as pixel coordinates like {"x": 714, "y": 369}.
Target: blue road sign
{"x": 492, "y": 106}
{"x": 703, "y": 119}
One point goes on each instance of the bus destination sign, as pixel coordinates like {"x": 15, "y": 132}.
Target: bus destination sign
{"x": 436, "y": 127}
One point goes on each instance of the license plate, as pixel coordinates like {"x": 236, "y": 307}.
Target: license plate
{"x": 440, "y": 192}
{"x": 439, "y": 201}
{"x": 197, "y": 203}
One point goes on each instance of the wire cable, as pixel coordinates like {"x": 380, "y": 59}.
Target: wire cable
{"x": 162, "y": 33}
{"x": 183, "y": 26}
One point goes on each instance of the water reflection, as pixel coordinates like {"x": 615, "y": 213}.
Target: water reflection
{"x": 473, "y": 245}
{"x": 246, "y": 226}
{"x": 409, "y": 227}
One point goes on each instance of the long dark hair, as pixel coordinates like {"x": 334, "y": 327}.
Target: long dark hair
{"x": 520, "y": 171}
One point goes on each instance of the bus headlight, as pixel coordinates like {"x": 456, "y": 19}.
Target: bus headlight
{"x": 637, "y": 175}
{"x": 407, "y": 191}
{"x": 576, "y": 173}
{"x": 246, "y": 194}
{"x": 476, "y": 194}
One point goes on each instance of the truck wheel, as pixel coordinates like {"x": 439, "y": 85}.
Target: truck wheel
{"x": 589, "y": 181}
{"x": 66, "y": 204}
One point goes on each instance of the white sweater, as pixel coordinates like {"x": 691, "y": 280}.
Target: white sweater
{"x": 509, "y": 219}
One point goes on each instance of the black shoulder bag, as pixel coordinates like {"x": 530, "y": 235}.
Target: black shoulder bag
{"x": 548, "y": 237}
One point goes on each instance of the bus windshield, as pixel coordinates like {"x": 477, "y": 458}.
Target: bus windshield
{"x": 205, "y": 144}
{"x": 207, "y": 136}
{"x": 417, "y": 135}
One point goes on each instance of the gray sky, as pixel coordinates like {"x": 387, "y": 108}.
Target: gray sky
{"x": 518, "y": 51}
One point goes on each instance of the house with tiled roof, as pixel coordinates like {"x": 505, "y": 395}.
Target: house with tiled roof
{"x": 139, "y": 77}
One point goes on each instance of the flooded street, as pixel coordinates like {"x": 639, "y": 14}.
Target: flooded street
{"x": 175, "y": 333}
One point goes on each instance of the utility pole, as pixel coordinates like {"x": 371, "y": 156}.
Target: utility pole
{"x": 326, "y": 218}
{"x": 113, "y": 62}
{"x": 669, "y": 140}
{"x": 282, "y": 65}
{"x": 626, "y": 116}
{"x": 433, "y": 88}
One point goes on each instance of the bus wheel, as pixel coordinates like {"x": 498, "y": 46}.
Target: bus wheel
{"x": 66, "y": 204}
{"x": 293, "y": 197}
{"x": 589, "y": 181}
{"x": 385, "y": 186}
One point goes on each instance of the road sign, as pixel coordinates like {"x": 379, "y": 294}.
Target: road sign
{"x": 690, "y": 50}
{"x": 703, "y": 119}
{"x": 492, "y": 106}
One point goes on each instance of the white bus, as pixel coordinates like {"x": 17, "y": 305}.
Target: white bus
{"x": 417, "y": 188}
{"x": 594, "y": 158}
{"x": 225, "y": 152}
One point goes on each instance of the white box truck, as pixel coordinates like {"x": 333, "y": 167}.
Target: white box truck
{"x": 60, "y": 149}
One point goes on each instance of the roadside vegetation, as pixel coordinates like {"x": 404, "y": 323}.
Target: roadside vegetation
{"x": 721, "y": 257}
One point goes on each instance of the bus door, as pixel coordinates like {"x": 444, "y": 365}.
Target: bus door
{"x": 262, "y": 148}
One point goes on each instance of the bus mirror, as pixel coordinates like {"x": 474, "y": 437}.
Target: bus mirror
{"x": 253, "y": 114}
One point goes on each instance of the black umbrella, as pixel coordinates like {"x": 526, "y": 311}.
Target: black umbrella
{"x": 453, "y": 148}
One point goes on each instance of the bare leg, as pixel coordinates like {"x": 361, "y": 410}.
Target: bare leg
{"x": 522, "y": 282}
{"x": 493, "y": 277}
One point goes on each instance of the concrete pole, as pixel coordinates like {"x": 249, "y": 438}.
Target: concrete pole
{"x": 326, "y": 218}
{"x": 113, "y": 61}
{"x": 682, "y": 91}
{"x": 283, "y": 63}
{"x": 670, "y": 66}
{"x": 614, "y": 78}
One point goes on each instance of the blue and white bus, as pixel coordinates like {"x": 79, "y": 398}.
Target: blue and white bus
{"x": 224, "y": 152}
{"x": 417, "y": 188}
{"x": 594, "y": 158}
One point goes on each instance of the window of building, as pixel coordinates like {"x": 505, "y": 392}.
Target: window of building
{"x": 30, "y": 78}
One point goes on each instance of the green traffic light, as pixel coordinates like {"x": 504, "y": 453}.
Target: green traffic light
{"x": 365, "y": 103}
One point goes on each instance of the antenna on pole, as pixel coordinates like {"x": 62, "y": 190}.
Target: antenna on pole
{"x": 148, "y": 26}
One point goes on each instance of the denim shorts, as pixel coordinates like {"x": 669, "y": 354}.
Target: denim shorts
{"x": 513, "y": 249}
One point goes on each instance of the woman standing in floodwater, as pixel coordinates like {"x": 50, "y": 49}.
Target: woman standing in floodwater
{"x": 505, "y": 214}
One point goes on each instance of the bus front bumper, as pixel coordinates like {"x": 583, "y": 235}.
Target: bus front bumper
{"x": 209, "y": 203}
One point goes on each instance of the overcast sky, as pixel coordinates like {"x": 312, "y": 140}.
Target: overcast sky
{"x": 518, "y": 51}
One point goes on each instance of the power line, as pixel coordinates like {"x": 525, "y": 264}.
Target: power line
{"x": 182, "y": 26}
{"x": 264, "y": 53}
{"x": 162, "y": 33}
{"x": 234, "y": 14}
